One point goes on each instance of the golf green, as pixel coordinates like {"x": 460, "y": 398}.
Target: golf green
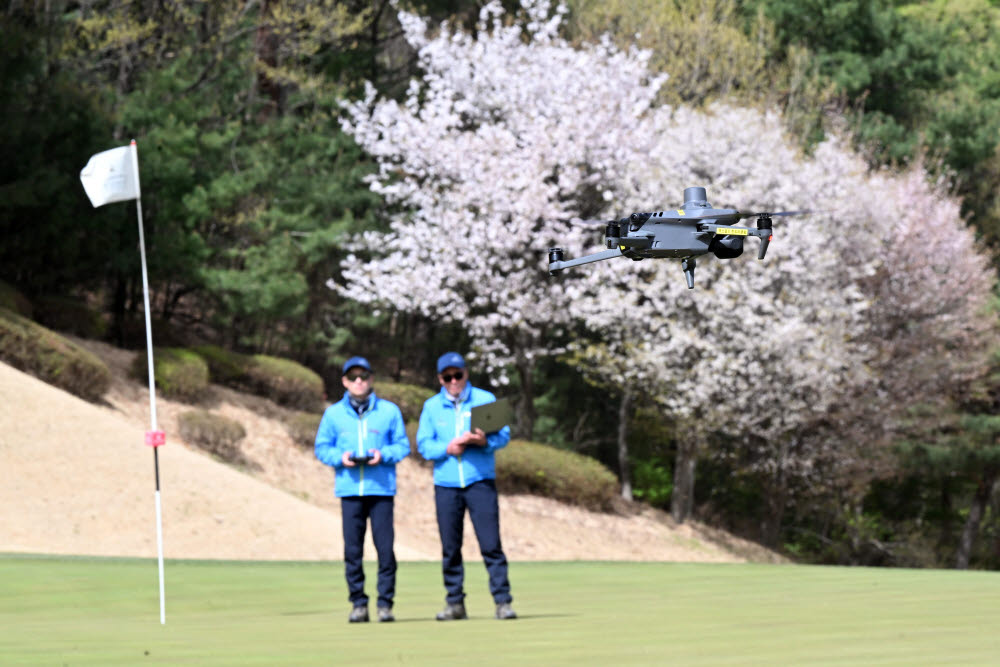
{"x": 84, "y": 611}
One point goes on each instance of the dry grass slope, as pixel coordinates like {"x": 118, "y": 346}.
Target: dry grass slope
{"x": 78, "y": 480}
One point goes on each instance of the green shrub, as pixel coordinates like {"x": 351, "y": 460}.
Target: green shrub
{"x": 51, "y": 358}
{"x": 409, "y": 397}
{"x": 529, "y": 467}
{"x": 285, "y": 382}
{"x": 225, "y": 367}
{"x": 180, "y": 373}
{"x": 302, "y": 427}
{"x": 215, "y": 434}
{"x": 653, "y": 482}
{"x": 12, "y": 299}
{"x": 64, "y": 313}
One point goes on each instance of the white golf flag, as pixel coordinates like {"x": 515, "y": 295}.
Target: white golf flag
{"x": 112, "y": 176}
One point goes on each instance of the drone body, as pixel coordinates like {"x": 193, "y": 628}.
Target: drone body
{"x": 684, "y": 233}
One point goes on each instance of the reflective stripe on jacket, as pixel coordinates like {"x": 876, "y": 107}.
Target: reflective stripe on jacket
{"x": 379, "y": 427}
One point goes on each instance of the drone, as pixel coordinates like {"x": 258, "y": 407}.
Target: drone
{"x": 684, "y": 233}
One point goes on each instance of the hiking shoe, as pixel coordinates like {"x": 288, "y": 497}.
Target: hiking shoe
{"x": 385, "y": 615}
{"x": 505, "y": 611}
{"x": 358, "y": 615}
{"x": 452, "y": 612}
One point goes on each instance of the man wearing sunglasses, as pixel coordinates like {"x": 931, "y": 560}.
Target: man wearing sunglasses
{"x": 464, "y": 479}
{"x": 363, "y": 438}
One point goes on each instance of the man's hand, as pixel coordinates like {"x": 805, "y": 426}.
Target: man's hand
{"x": 376, "y": 455}
{"x": 346, "y": 459}
{"x": 476, "y": 438}
{"x": 457, "y": 446}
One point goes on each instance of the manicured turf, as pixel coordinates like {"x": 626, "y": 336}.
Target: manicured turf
{"x": 73, "y": 611}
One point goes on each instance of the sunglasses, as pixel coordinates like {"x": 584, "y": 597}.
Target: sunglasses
{"x": 456, "y": 377}
{"x": 363, "y": 375}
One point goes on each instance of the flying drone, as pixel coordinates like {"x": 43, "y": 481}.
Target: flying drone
{"x": 684, "y": 233}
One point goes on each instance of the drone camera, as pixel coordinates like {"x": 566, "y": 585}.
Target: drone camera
{"x": 728, "y": 247}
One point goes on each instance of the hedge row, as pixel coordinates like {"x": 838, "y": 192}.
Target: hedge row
{"x": 530, "y": 467}
{"x": 284, "y": 381}
{"x": 179, "y": 373}
{"x": 409, "y": 397}
{"x": 51, "y": 358}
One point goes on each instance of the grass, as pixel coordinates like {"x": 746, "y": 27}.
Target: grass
{"x": 78, "y": 611}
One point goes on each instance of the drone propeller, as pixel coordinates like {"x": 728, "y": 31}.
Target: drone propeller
{"x": 772, "y": 215}
{"x": 586, "y": 223}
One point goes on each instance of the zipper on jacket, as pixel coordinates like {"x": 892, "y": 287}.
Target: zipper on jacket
{"x": 458, "y": 431}
{"x": 362, "y": 429}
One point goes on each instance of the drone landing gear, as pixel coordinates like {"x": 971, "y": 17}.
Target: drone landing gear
{"x": 688, "y": 264}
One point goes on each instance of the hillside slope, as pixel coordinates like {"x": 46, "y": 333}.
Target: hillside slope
{"x": 75, "y": 478}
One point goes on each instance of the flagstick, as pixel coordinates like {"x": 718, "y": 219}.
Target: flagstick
{"x": 152, "y": 382}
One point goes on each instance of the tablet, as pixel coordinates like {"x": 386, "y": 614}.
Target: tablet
{"x": 493, "y": 416}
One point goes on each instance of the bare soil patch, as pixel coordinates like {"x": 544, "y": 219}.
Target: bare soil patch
{"x": 76, "y": 478}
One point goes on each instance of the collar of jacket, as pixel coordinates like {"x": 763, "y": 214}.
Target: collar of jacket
{"x": 370, "y": 405}
{"x": 462, "y": 398}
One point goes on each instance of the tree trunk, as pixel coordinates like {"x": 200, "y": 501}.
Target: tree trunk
{"x": 118, "y": 299}
{"x": 984, "y": 493}
{"x": 682, "y": 498}
{"x": 266, "y": 52}
{"x": 624, "y": 408}
{"x": 777, "y": 495}
{"x": 524, "y": 416}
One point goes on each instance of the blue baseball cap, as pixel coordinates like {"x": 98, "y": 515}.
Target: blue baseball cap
{"x": 450, "y": 360}
{"x": 360, "y": 362}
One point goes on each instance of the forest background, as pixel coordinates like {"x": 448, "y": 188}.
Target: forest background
{"x": 324, "y": 179}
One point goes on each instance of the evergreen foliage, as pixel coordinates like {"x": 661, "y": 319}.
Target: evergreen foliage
{"x": 53, "y": 240}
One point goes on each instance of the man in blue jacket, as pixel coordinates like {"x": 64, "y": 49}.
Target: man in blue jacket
{"x": 363, "y": 438}
{"x": 464, "y": 478}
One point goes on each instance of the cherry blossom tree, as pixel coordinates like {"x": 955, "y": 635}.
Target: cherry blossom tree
{"x": 508, "y": 136}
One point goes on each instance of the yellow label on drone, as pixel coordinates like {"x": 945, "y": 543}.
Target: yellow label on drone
{"x": 732, "y": 231}
{"x": 680, "y": 211}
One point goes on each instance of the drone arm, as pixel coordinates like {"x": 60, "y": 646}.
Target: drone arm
{"x": 557, "y": 264}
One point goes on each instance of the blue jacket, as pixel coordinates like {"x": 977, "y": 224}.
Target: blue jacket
{"x": 379, "y": 427}
{"x": 440, "y": 421}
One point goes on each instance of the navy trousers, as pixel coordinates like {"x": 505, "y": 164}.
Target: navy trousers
{"x": 355, "y": 512}
{"x": 480, "y": 499}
